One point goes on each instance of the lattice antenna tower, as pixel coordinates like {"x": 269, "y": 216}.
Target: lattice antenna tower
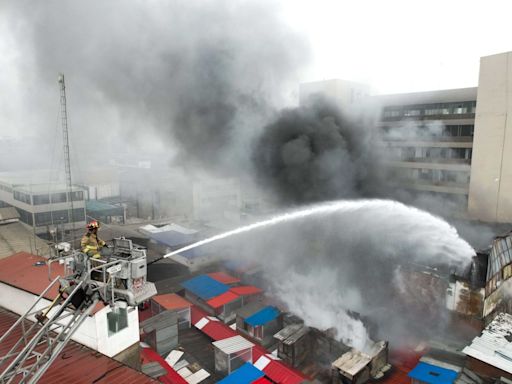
{"x": 67, "y": 160}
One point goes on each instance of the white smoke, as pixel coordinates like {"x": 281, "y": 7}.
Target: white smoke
{"x": 343, "y": 255}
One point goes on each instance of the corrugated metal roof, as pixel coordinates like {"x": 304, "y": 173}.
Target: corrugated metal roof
{"x": 263, "y": 316}
{"x": 225, "y": 298}
{"x": 20, "y": 271}
{"x": 205, "y": 287}
{"x": 76, "y": 364}
{"x": 171, "y": 301}
{"x": 172, "y": 376}
{"x": 224, "y": 278}
{"x": 245, "y": 290}
{"x": 432, "y": 374}
{"x": 250, "y": 309}
{"x": 217, "y": 330}
{"x": 262, "y": 380}
{"x": 494, "y": 345}
{"x": 278, "y": 371}
{"x": 246, "y": 374}
{"x": 233, "y": 344}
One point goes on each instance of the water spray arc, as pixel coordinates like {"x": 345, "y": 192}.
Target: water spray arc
{"x": 446, "y": 235}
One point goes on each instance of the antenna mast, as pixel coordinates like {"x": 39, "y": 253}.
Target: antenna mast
{"x": 67, "y": 161}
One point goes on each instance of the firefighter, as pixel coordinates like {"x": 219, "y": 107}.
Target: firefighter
{"x": 91, "y": 244}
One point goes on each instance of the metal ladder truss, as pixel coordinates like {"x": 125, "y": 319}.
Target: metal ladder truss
{"x": 40, "y": 344}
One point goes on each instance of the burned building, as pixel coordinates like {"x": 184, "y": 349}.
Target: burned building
{"x": 498, "y": 283}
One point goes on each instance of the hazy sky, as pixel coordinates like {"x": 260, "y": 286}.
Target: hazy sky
{"x": 394, "y": 45}
{"x": 403, "y": 45}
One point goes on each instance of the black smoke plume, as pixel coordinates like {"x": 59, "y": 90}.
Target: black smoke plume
{"x": 315, "y": 153}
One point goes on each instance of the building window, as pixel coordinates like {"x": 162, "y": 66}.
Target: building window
{"x": 41, "y": 199}
{"x": 43, "y": 218}
{"x": 77, "y": 196}
{"x": 78, "y": 214}
{"x": 23, "y": 197}
{"x": 60, "y": 217}
{"x": 59, "y": 197}
{"x": 117, "y": 320}
{"x": 25, "y": 216}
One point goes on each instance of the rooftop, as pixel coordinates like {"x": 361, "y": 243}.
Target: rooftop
{"x": 246, "y": 374}
{"x": 233, "y": 344}
{"x": 30, "y": 273}
{"x": 432, "y": 374}
{"x": 87, "y": 366}
{"x": 263, "y": 316}
{"x": 222, "y": 299}
{"x": 17, "y": 237}
{"x": 440, "y": 96}
{"x": 494, "y": 345}
{"x": 171, "y": 301}
{"x": 224, "y": 278}
{"x": 205, "y": 287}
{"x": 352, "y": 362}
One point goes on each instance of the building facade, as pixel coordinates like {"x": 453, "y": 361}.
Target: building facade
{"x": 455, "y": 144}
{"x": 45, "y": 207}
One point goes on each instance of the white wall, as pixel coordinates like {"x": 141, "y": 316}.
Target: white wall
{"x": 93, "y": 333}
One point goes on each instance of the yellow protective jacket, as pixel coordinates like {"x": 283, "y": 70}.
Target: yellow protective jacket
{"x": 91, "y": 244}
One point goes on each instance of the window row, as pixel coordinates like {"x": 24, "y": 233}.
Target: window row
{"x": 54, "y": 198}
{"x": 456, "y": 108}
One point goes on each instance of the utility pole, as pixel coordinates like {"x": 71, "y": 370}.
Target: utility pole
{"x": 67, "y": 161}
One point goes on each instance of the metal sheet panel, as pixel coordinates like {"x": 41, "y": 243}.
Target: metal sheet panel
{"x": 224, "y": 278}
{"x": 233, "y": 344}
{"x": 263, "y": 316}
{"x": 225, "y": 298}
{"x": 205, "y": 287}
{"x": 246, "y": 374}
{"x": 433, "y": 374}
{"x": 246, "y": 290}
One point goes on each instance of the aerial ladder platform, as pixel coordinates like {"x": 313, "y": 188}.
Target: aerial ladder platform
{"x": 45, "y": 329}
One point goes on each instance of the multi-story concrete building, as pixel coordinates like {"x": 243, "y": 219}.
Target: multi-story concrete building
{"x": 454, "y": 143}
{"x": 428, "y": 138}
{"x": 43, "y": 206}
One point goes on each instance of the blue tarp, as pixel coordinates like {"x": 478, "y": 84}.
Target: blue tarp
{"x": 263, "y": 316}
{"x": 432, "y": 374}
{"x": 246, "y": 374}
{"x": 205, "y": 287}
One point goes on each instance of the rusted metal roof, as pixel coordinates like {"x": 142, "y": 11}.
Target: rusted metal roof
{"x": 25, "y": 271}
{"x": 76, "y": 364}
{"x": 171, "y": 301}
{"x": 224, "y": 278}
{"x": 225, "y": 298}
{"x": 245, "y": 290}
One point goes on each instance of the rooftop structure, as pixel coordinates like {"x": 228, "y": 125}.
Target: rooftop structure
{"x": 490, "y": 354}
{"x": 18, "y": 237}
{"x": 246, "y": 374}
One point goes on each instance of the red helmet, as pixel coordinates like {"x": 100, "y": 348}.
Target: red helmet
{"x": 93, "y": 224}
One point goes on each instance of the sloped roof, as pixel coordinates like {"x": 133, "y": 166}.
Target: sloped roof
{"x": 494, "y": 345}
{"x": 76, "y": 364}
{"x": 224, "y": 278}
{"x": 29, "y": 273}
{"x": 205, "y": 287}
{"x": 9, "y": 213}
{"x": 263, "y": 316}
{"x": 245, "y": 290}
{"x": 16, "y": 237}
{"x": 433, "y": 374}
{"x": 171, "y": 301}
{"x": 246, "y": 374}
{"x": 223, "y": 299}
